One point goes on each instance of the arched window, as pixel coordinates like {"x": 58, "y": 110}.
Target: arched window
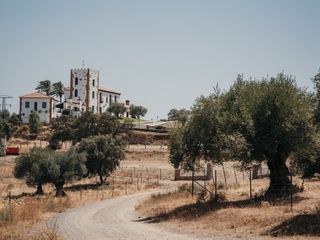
{"x": 76, "y": 81}
{"x": 76, "y": 93}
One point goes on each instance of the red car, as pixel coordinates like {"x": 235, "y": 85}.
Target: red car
{"x": 12, "y": 151}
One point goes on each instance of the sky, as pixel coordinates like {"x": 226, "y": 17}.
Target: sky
{"x": 159, "y": 54}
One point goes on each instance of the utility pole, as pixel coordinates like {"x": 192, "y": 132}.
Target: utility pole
{"x": 4, "y": 102}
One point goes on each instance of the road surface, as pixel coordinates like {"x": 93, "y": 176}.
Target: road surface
{"x": 114, "y": 219}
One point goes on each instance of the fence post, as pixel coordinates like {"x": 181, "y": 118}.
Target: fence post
{"x": 192, "y": 186}
{"x": 235, "y": 175}
{"x": 126, "y": 187}
{"x": 224, "y": 174}
{"x": 291, "y": 193}
{"x": 250, "y": 183}
{"x": 215, "y": 184}
{"x": 9, "y": 196}
{"x": 137, "y": 184}
{"x": 112, "y": 187}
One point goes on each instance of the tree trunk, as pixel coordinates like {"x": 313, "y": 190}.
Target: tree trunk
{"x": 59, "y": 190}
{"x": 39, "y": 189}
{"x": 102, "y": 181}
{"x": 280, "y": 184}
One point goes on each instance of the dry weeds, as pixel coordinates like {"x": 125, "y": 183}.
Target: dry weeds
{"x": 238, "y": 216}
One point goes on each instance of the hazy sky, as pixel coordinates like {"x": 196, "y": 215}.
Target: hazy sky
{"x": 159, "y": 54}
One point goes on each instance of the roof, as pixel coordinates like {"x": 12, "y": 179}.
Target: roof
{"x": 104, "y": 89}
{"x": 36, "y": 95}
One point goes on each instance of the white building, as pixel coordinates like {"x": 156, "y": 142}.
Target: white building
{"x": 86, "y": 94}
{"x": 37, "y": 102}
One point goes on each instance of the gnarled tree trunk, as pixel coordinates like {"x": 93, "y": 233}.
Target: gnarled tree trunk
{"x": 59, "y": 189}
{"x": 39, "y": 189}
{"x": 280, "y": 184}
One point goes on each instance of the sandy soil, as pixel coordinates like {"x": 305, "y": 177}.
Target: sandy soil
{"x": 116, "y": 219}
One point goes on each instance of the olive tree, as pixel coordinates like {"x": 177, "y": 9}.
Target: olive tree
{"x": 66, "y": 167}
{"x": 137, "y": 111}
{"x": 34, "y": 166}
{"x": 118, "y": 109}
{"x": 103, "y": 153}
{"x": 255, "y": 121}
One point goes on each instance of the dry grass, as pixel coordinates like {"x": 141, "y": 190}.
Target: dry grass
{"x": 238, "y": 216}
{"x": 25, "y": 217}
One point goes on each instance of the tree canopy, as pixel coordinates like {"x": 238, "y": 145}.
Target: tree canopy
{"x": 118, "y": 109}
{"x": 34, "y": 167}
{"x": 45, "y": 86}
{"x": 180, "y": 115}
{"x": 34, "y": 123}
{"x": 253, "y": 121}
{"x": 137, "y": 111}
{"x": 58, "y": 90}
{"x": 104, "y": 153}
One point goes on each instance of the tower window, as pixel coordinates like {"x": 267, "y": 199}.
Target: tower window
{"x": 76, "y": 93}
{"x": 93, "y": 95}
{"x": 76, "y": 81}
{"x": 93, "y": 82}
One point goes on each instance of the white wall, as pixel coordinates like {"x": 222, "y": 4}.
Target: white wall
{"x": 44, "y": 113}
{"x": 83, "y": 83}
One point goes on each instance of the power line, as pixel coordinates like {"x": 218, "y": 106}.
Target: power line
{"x": 4, "y": 101}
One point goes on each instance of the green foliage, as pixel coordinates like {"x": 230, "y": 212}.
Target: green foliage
{"x": 63, "y": 128}
{"x": 67, "y": 167}
{"x": 118, "y": 109}
{"x": 15, "y": 120}
{"x": 6, "y": 129}
{"x": 137, "y": 111}
{"x": 181, "y": 115}
{"x": 34, "y": 123}
{"x": 176, "y": 144}
{"x": 253, "y": 121}
{"x": 41, "y": 166}
{"x": 58, "y": 90}
{"x": 34, "y": 167}
{"x": 45, "y": 86}
{"x": 5, "y": 114}
{"x": 104, "y": 153}
{"x": 70, "y": 128}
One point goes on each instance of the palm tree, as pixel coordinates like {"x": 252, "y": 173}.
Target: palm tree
{"x": 45, "y": 86}
{"x": 57, "y": 90}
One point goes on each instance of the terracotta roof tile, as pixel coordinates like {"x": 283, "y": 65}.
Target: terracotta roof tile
{"x": 36, "y": 95}
{"x": 104, "y": 89}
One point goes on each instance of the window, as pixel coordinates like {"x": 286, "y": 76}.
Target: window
{"x": 115, "y": 98}
{"x": 27, "y": 104}
{"x": 100, "y": 110}
{"x": 92, "y": 109}
{"x": 44, "y": 104}
{"x": 76, "y": 93}
{"x": 93, "y": 94}
{"x": 93, "y": 82}
{"x": 107, "y": 99}
{"x": 76, "y": 81}
{"x": 101, "y": 98}
{"x": 35, "y": 106}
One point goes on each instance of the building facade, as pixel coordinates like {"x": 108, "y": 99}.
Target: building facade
{"x": 86, "y": 94}
{"x": 37, "y": 102}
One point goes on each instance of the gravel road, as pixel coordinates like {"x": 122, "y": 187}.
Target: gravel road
{"x": 114, "y": 219}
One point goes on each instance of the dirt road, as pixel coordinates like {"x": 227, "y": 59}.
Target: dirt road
{"x": 114, "y": 219}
